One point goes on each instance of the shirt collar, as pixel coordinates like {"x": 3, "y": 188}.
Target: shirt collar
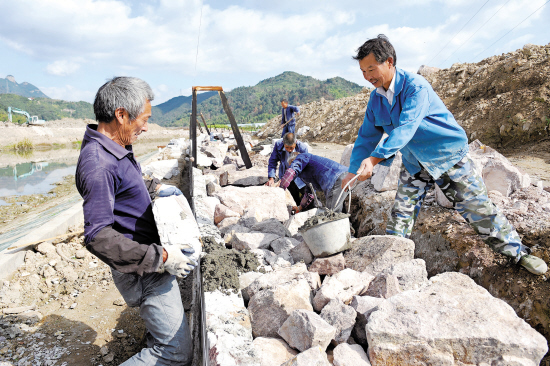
{"x": 380, "y": 90}
{"x": 118, "y": 151}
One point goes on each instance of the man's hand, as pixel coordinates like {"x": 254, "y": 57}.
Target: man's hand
{"x": 347, "y": 179}
{"x": 365, "y": 170}
{"x": 296, "y": 209}
{"x": 270, "y": 182}
{"x": 166, "y": 190}
{"x": 178, "y": 263}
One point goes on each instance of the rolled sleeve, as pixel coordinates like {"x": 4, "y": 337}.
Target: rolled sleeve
{"x": 272, "y": 164}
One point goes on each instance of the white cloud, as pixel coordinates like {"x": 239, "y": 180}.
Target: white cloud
{"x": 68, "y": 92}
{"x": 62, "y": 68}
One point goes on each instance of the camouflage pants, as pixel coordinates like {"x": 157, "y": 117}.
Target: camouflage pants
{"x": 464, "y": 187}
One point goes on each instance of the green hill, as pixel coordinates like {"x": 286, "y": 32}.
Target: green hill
{"x": 10, "y": 86}
{"x": 45, "y": 108}
{"x": 256, "y": 103}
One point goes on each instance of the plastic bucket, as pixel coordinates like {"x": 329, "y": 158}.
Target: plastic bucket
{"x": 328, "y": 238}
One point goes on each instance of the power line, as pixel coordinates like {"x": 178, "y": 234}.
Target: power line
{"x": 433, "y": 58}
{"x": 487, "y": 21}
{"x": 198, "y": 40}
{"x": 510, "y": 30}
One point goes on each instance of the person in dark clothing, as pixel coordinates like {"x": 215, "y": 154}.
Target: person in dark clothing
{"x": 279, "y": 156}
{"x": 324, "y": 174}
{"x": 119, "y": 225}
{"x": 288, "y": 118}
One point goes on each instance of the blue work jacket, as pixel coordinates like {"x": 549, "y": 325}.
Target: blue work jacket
{"x": 417, "y": 123}
{"x": 321, "y": 172}
{"x": 278, "y": 155}
{"x": 290, "y": 110}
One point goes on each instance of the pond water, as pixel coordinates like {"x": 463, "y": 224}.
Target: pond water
{"x": 32, "y": 178}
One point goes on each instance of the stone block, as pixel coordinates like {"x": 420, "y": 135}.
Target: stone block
{"x": 385, "y": 178}
{"x": 272, "y": 351}
{"x": 376, "y": 253}
{"x": 270, "y": 308}
{"x": 441, "y": 199}
{"x": 346, "y": 155}
{"x": 364, "y": 306}
{"x": 350, "y": 355}
{"x": 304, "y": 329}
{"x": 328, "y": 265}
{"x": 410, "y": 275}
{"x": 212, "y": 187}
{"x": 222, "y": 212}
{"x": 451, "y": 321}
{"x": 269, "y": 202}
{"x": 229, "y": 336}
{"x": 203, "y": 160}
{"x": 162, "y": 169}
{"x": 498, "y": 173}
{"x": 228, "y": 222}
{"x": 314, "y": 356}
{"x": 272, "y": 226}
{"x": 252, "y": 240}
{"x": 301, "y": 252}
{"x": 384, "y": 285}
{"x": 341, "y": 317}
{"x": 283, "y": 245}
{"x": 342, "y": 286}
{"x": 254, "y": 176}
{"x": 176, "y": 223}
{"x": 271, "y": 280}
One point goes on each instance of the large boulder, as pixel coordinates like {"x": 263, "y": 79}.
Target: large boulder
{"x": 346, "y": 155}
{"x": 162, "y": 169}
{"x": 296, "y": 221}
{"x": 304, "y": 329}
{"x": 498, "y": 173}
{"x": 270, "y": 308}
{"x": 370, "y": 209}
{"x": 268, "y": 202}
{"x": 328, "y": 265}
{"x": 342, "y": 286}
{"x": 222, "y": 212}
{"x": 451, "y": 321}
{"x": 376, "y": 253}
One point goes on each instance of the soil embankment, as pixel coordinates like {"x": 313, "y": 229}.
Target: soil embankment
{"x": 70, "y": 131}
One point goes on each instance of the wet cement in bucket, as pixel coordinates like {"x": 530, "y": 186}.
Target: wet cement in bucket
{"x": 221, "y": 267}
{"x": 326, "y": 216}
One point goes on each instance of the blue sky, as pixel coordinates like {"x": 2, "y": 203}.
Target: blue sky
{"x": 68, "y": 48}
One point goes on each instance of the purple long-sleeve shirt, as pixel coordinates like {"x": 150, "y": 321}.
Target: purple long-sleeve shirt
{"x": 119, "y": 225}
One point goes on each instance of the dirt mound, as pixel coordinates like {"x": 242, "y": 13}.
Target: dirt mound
{"x": 503, "y": 101}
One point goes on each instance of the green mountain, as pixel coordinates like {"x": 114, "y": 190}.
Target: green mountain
{"x": 10, "y": 86}
{"x": 257, "y": 103}
{"x": 45, "y": 108}
{"x": 172, "y": 110}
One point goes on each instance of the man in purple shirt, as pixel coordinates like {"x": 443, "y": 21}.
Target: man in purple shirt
{"x": 119, "y": 225}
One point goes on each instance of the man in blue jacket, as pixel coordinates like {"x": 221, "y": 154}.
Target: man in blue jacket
{"x": 279, "y": 156}
{"x": 323, "y": 173}
{"x": 434, "y": 149}
{"x": 288, "y": 118}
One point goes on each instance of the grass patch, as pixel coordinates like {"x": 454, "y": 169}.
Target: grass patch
{"x": 25, "y": 144}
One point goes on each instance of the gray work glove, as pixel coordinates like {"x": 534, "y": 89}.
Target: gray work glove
{"x": 178, "y": 262}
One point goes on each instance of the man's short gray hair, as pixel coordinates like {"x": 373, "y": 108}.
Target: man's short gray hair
{"x": 122, "y": 92}
{"x": 289, "y": 139}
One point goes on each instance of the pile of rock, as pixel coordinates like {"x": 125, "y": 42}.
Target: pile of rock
{"x": 372, "y": 304}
